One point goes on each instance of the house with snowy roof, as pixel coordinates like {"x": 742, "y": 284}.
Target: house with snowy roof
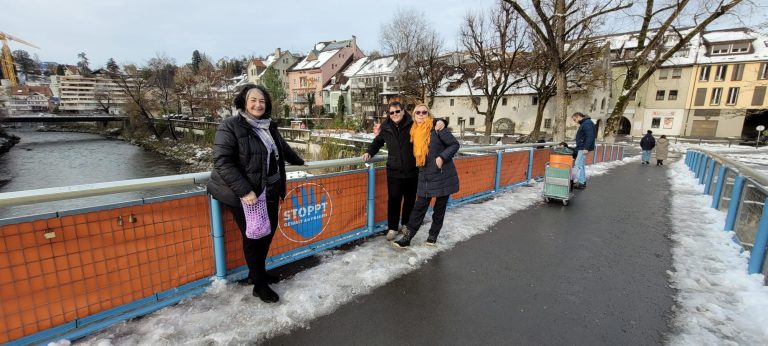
{"x": 712, "y": 87}
{"x": 368, "y": 84}
{"x": 517, "y": 111}
{"x": 310, "y": 75}
{"x": 26, "y": 99}
{"x": 280, "y": 60}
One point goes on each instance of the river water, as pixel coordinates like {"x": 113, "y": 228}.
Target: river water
{"x": 54, "y": 159}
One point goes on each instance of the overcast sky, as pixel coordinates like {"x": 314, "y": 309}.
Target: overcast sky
{"x": 136, "y": 30}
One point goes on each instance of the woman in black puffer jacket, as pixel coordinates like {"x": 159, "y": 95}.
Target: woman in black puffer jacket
{"x": 434, "y": 151}
{"x": 249, "y": 158}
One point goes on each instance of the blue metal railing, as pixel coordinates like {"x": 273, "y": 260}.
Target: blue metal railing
{"x": 101, "y": 320}
{"x": 703, "y": 164}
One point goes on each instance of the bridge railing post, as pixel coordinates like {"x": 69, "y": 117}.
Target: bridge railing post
{"x": 757, "y": 256}
{"x": 371, "y": 208}
{"x": 719, "y": 186}
{"x": 703, "y": 169}
{"x": 602, "y": 156}
{"x": 217, "y": 228}
{"x": 594, "y": 155}
{"x": 695, "y": 167}
{"x": 497, "y": 181}
{"x": 733, "y": 204}
{"x": 702, "y": 158}
{"x": 709, "y": 177}
{"x": 530, "y": 163}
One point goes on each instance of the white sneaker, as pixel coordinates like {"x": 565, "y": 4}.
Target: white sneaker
{"x": 402, "y": 229}
{"x": 391, "y": 234}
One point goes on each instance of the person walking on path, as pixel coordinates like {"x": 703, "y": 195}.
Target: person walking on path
{"x": 438, "y": 178}
{"x": 249, "y": 157}
{"x": 402, "y": 174}
{"x": 647, "y": 144}
{"x": 662, "y": 150}
{"x": 585, "y": 142}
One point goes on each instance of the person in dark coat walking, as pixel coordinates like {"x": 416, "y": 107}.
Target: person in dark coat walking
{"x": 402, "y": 173}
{"x": 438, "y": 178}
{"x": 249, "y": 157}
{"x": 647, "y": 144}
{"x": 585, "y": 142}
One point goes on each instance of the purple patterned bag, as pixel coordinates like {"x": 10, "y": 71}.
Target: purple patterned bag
{"x": 256, "y": 218}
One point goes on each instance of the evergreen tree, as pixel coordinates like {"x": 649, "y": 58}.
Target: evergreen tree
{"x": 274, "y": 85}
{"x": 197, "y": 59}
{"x": 112, "y": 66}
{"x": 341, "y": 107}
{"x": 60, "y": 70}
{"x": 83, "y": 63}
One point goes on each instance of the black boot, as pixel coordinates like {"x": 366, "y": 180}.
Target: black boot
{"x": 658, "y": 162}
{"x": 661, "y": 162}
{"x": 271, "y": 279}
{"x": 265, "y": 293}
{"x": 405, "y": 241}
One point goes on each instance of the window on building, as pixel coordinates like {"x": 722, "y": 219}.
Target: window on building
{"x": 701, "y": 95}
{"x": 503, "y": 101}
{"x": 738, "y": 72}
{"x": 704, "y": 73}
{"x": 758, "y": 96}
{"x": 534, "y": 100}
{"x": 715, "y": 98}
{"x": 451, "y": 102}
{"x": 471, "y": 121}
{"x": 733, "y": 96}
{"x": 602, "y": 104}
{"x": 718, "y": 49}
{"x": 660, "y": 95}
{"x": 655, "y": 123}
{"x": 763, "y": 73}
{"x": 663, "y": 73}
{"x": 722, "y": 70}
{"x": 547, "y": 123}
{"x": 742, "y": 47}
{"x": 672, "y": 95}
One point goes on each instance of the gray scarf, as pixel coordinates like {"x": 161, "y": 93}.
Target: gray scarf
{"x": 261, "y": 128}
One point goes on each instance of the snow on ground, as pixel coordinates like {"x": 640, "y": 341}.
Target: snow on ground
{"x": 718, "y": 303}
{"x": 754, "y": 158}
{"x": 227, "y": 313}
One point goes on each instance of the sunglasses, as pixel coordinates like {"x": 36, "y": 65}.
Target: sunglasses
{"x": 394, "y": 112}
{"x": 421, "y": 112}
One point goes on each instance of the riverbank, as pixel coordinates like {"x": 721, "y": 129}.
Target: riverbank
{"x": 7, "y": 141}
{"x": 195, "y": 157}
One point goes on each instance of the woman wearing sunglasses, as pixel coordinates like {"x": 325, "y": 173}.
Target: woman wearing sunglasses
{"x": 433, "y": 151}
{"x": 402, "y": 173}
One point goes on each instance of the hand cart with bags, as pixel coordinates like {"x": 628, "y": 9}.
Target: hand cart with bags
{"x": 557, "y": 176}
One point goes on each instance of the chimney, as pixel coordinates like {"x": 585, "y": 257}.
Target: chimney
{"x": 354, "y": 48}
{"x": 277, "y": 53}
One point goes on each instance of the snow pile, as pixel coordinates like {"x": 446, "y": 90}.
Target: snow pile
{"x": 718, "y": 303}
{"x": 227, "y": 313}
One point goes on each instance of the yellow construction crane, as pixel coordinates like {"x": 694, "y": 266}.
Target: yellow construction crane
{"x": 7, "y": 59}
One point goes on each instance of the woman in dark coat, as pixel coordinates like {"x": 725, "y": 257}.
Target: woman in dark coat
{"x": 434, "y": 151}
{"x": 249, "y": 158}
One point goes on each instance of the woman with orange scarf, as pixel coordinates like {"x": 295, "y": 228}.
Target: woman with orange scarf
{"x": 434, "y": 151}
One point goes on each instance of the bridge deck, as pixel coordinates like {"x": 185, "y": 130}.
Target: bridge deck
{"x": 592, "y": 273}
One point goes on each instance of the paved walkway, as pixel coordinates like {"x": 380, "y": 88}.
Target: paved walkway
{"x": 591, "y": 273}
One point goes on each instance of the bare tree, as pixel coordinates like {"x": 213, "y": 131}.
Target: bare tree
{"x": 493, "y": 42}
{"x": 418, "y": 48}
{"x": 134, "y": 83}
{"x": 565, "y": 28}
{"x": 162, "y": 71}
{"x": 657, "y": 45}
{"x": 104, "y": 98}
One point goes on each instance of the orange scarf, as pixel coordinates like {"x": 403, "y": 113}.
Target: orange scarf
{"x": 420, "y": 138}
